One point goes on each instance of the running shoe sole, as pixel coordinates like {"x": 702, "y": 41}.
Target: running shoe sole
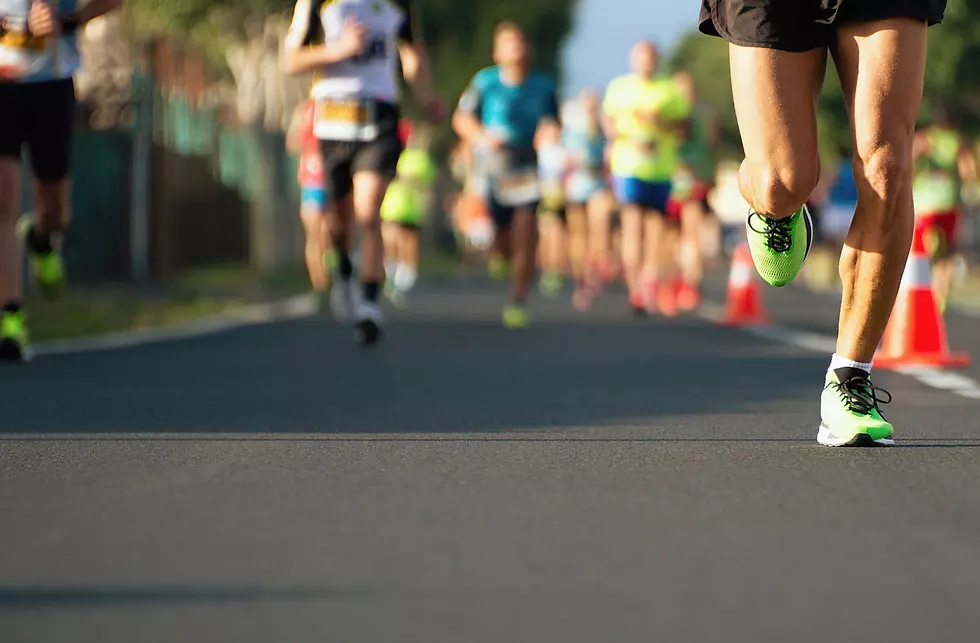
{"x": 367, "y": 332}
{"x": 862, "y": 440}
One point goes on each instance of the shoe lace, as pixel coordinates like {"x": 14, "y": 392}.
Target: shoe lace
{"x": 778, "y": 232}
{"x": 860, "y": 395}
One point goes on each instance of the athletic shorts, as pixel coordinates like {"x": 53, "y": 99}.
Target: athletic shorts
{"x": 40, "y": 116}
{"x": 802, "y": 25}
{"x": 343, "y": 159}
{"x": 650, "y": 195}
{"x": 313, "y": 198}
{"x": 698, "y": 194}
{"x": 503, "y": 215}
{"x": 582, "y": 186}
{"x": 937, "y": 233}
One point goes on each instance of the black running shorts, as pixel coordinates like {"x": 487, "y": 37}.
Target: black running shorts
{"x": 343, "y": 159}
{"x": 40, "y": 116}
{"x": 802, "y": 25}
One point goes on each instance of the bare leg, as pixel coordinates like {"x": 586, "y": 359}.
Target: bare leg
{"x": 654, "y": 256}
{"x": 369, "y": 191}
{"x": 882, "y": 68}
{"x": 10, "y": 250}
{"x": 692, "y": 231}
{"x": 775, "y": 101}
{"x": 524, "y": 230}
{"x": 52, "y": 206}
{"x": 578, "y": 242}
{"x": 599, "y": 212}
{"x": 313, "y": 224}
{"x": 631, "y": 242}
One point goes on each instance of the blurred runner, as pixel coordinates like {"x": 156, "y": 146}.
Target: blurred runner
{"x": 404, "y": 213}
{"x": 642, "y": 117}
{"x": 943, "y": 163}
{"x": 354, "y": 48}
{"x": 499, "y": 115}
{"x": 38, "y": 56}
{"x": 313, "y": 198}
{"x": 688, "y": 210}
{"x": 471, "y": 219}
{"x": 590, "y": 203}
{"x": 778, "y": 57}
{"x": 553, "y": 246}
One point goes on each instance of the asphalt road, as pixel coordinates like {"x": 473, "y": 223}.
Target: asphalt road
{"x": 596, "y": 478}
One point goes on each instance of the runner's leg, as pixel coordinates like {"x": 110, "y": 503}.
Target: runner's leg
{"x": 882, "y": 66}
{"x": 524, "y": 231}
{"x": 313, "y": 225}
{"x": 10, "y": 250}
{"x": 631, "y": 245}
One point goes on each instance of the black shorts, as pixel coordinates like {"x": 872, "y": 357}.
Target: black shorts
{"x": 42, "y": 117}
{"x": 343, "y": 159}
{"x": 802, "y": 25}
{"x": 503, "y": 215}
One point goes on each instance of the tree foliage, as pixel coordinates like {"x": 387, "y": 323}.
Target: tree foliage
{"x": 952, "y": 79}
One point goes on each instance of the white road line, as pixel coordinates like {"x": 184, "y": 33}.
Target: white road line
{"x": 296, "y": 307}
{"x": 931, "y": 377}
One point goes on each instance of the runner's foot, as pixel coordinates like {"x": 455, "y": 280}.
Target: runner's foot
{"x": 688, "y": 297}
{"x": 849, "y": 411}
{"x": 342, "y": 300}
{"x": 515, "y": 317}
{"x": 551, "y": 284}
{"x": 498, "y": 267}
{"x": 367, "y": 329}
{"x": 47, "y": 266}
{"x": 14, "y": 339}
{"x": 779, "y": 246}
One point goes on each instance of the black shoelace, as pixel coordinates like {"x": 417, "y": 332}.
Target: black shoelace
{"x": 779, "y": 235}
{"x": 860, "y": 395}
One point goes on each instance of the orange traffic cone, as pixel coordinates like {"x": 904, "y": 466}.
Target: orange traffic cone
{"x": 916, "y": 332}
{"x": 744, "y": 300}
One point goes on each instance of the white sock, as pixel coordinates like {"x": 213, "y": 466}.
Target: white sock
{"x": 405, "y": 277}
{"x": 842, "y": 362}
{"x": 390, "y": 268}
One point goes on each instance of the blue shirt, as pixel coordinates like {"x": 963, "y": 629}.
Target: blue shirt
{"x": 511, "y": 112}
{"x": 845, "y": 189}
{"x": 47, "y": 59}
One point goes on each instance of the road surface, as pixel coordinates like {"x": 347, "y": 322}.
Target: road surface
{"x": 596, "y": 478}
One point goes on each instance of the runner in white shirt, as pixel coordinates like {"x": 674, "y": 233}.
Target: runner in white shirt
{"x": 354, "y": 47}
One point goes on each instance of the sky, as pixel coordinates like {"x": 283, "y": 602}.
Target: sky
{"x": 604, "y": 30}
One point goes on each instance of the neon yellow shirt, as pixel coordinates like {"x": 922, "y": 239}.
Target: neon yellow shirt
{"x": 642, "y": 150}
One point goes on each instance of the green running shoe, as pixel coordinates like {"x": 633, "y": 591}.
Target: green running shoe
{"x": 48, "y": 269}
{"x": 779, "y": 247}
{"x": 498, "y": 267}
{"x": 849, "y": 411}
{"x": 516, "y": 317}
{"x": 551, "y": 284}
{"x": 14, "y": 340}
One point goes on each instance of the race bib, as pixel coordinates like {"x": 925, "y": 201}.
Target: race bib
{"x": 21, "y": 53}
{"x": 518, "y": 188}
{"x": 345, "y": 120}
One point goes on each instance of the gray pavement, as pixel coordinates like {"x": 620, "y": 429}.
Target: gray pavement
{"x": 597, "y": 478}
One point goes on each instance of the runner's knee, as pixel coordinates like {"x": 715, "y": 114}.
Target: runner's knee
{"x": 781, "y": 190}
{"x": 884, "y": 169}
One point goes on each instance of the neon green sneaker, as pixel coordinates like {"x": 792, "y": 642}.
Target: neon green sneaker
{"x": 48, "y": 269}
{"x": 779, "y": 247}
{"x": 551, "y": 284}
{"x": 498, "y": 267}
{"x": 516, "y": 317}
{"x": 849, "y": 411}
{"x": 14, "y": 340}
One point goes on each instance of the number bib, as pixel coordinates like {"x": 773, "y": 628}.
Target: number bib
{"x": 339, "y": 119}
{"x": 21, "y": 54}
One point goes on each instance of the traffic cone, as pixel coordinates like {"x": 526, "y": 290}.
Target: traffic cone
{"x": 916, "y": 332}
{"x": 744, "y": 306}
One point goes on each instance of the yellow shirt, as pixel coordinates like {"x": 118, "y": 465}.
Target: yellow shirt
{"x": 642, "y": 150}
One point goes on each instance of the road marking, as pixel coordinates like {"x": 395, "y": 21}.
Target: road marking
{"x": 932, "y": 377}
{"x": 293, "y": 308}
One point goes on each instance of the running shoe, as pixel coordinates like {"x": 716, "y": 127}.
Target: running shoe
{"x": 779, "y": 247}
{"x": 342, "y": 299}
{"x": 650, "y": 290}
{"x": 47, "y": 268}
{"x": 667, "y": 299}
{"x": 637, "y": 303}
{"x": 14, "y": 340}
{"x": 551, "y": 284}
{"x": 498, "y": 267}
{"x": 516, "y": 317}
{"x": 849, "y": 411}
{"x": 367, "y": 329}
{"x": 688, "y": 297}
{"x": 583, "y": 296}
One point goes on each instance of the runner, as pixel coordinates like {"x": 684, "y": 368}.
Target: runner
{"x": 499, "y": 115}
{"x": 38, "y": 56}
{"x": 643, "y": 117}
{"x": 313, "y": 198}
{"x": 354, "y": 47}
{"x": 553, "y": 246}
{"x": 688, "y": 205}
{"x": 589, "y": 211}
{"x": 943, "y": 162}
{"x": 404, "y": 212}
{"x": 778, "y": 57}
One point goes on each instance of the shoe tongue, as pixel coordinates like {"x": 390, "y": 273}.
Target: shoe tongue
{"x": 845, "y": 373}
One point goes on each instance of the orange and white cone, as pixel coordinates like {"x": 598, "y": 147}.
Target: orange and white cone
{"x": 744, "y": 307}
{"x": 916, "y": 332}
